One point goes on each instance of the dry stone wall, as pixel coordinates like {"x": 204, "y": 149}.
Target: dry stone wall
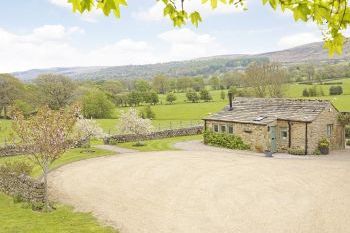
{"x": 12, "y": 150}
{"x": 155, "y": 135}
{"x": 23, "y": 186}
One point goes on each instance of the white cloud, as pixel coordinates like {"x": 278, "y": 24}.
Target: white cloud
{"x": 61, "y": 3}
{"x": 50, "y": 46}
{"x": 186, "y": 44}
{"x": 297, "y": 39}
{"x": 91, "y": 16}
{"x": 123, "y": 52}
{"x": 155, "y": 12}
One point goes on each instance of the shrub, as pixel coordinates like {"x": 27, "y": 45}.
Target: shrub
{"x": 205, "y": 95}
{"x": 347, "y": 132}
{"x": 305, "y": 92}
{"x": 18, "y": 168}
{"x": 317, "y": 152}
{"x": 97, "y": 105}
{"x": 192, "y": 96}
{"x": 112, "y": 141}
{"x": 323, "y": 143}
{"x": 323, "y": 146}
{"x": 225, "y": 140}
{"x": 348, "y": 143}
{"x": 335, "y": 90}
{"x": 147, "y": 113}
{"x": 296, "y": 151}
{"x": 170, "y": 97}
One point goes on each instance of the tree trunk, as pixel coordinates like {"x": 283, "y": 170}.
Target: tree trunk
{"x": 46, "y": 199}
{"x": 5, "y": 112}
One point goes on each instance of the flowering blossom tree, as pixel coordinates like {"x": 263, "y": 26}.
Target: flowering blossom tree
{"x": 132, "y": 123}
{"x": 47, "y": 135}
{"x": 87, "y": 129}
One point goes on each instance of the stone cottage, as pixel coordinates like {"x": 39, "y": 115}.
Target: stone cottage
{"x": 277, "y": 124}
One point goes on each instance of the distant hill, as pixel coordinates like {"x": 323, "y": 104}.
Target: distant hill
{"x": 313, "y": 52}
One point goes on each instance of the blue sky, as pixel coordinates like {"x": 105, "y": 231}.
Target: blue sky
{"x": 45, "y": 33}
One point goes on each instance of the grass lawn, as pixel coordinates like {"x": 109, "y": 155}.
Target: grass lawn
{"x": 69, "y": 157}
{"x": 5, "y": 129}
{"x": 16, "y": 219}
{"x": 160, "y": 144}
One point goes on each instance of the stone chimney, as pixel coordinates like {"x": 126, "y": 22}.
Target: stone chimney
{"x": 230, "y": 97}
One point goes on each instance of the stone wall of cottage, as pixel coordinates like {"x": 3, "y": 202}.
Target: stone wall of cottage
{"x": 318, "y": 130}
{"x": 252, "y": 134}
{"x": 155, "y": 135}
{"x": 23, "y": 186}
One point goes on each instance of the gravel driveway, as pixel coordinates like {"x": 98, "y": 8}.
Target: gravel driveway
{"x": 208, "y": 192}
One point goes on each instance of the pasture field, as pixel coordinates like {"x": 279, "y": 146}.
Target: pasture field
{"x": 16, "y": 218}
{"x": 5, "y": 130}
{"x": 182, "y": 113}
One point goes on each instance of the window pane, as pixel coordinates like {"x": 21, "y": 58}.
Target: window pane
{"x": 329, "y": 130}
{"x": 284, "y": 133}
{"x": 216, "y": 128}
{"x": 223, "y": 128}
{"x": 230, "y": 129}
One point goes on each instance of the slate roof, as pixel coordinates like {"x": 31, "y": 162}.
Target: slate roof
{"x": 266, "y": 110}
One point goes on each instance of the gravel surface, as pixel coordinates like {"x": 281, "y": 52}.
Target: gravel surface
{"x": 209, "y": 191}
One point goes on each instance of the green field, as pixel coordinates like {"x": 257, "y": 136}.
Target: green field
{"x": 182, "y": 113}
{"x": 69, "y": 157}
{"x": 17, "y": 219}
{"x": 5, "y": 129}
{"x": 159, "y": 144}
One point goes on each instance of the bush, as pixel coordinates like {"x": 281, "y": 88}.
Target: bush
{"x": 296, "y": 151}
{"x": 225, "y": 140}
{"x": 347, "y": 132}
{"x": 323, "y": 146}
{"x": 170, "y": 97}
{"x": 348, "y": 143}
{"x": 147, "y": 113}
{"x": 97, "y": 105}
{"x": 323, "y": 143}
{"x": 306, "y": 92}
{"x": 335, "y": 90}
{"x": 192, "y": 96}
{"x": 18, "y": 168}
{"x": 317, "y": 152}
{"x": 205, "y": 95}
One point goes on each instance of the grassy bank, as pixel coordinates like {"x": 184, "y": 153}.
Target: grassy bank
{"x": 69, "y": 157}
{"x": 159, "y": 144}
{"x": 17, "y": 219}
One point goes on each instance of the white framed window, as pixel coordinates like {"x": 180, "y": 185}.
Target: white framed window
{"x": 329, "y": 130}
{"x": 284, "y": 133}
{"x": 222, "y": 128}
{"x": 216, "y": 128}
{"x": 230, "y": 129}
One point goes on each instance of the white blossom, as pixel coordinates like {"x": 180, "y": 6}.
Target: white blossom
{"x": 132, "y": 123}
{"x": 88, "y": 128}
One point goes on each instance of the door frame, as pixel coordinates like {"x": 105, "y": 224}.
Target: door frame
{"x": 273, "y": 138}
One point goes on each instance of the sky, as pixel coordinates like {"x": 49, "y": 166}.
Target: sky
{"x": 46, "y": 33}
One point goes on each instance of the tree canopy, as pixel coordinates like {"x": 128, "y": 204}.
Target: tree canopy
{"x": 332, "y": 16}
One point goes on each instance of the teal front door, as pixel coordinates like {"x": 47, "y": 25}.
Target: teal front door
{"x": 273, "y": 138}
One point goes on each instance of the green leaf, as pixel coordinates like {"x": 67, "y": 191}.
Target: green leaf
{"x": 195, "y": 18}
